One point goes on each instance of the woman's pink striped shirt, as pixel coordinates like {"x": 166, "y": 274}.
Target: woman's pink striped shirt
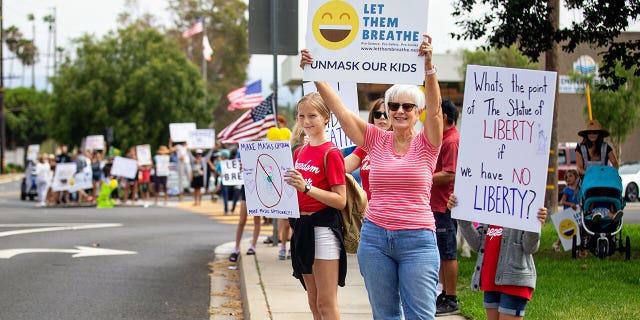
{"x": 400, "y": 185}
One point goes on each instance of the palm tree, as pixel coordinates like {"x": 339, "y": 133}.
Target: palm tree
{"x": 12, "y": 36}
{"x": 32, "y": 18}
{"x": 27, "y": 53}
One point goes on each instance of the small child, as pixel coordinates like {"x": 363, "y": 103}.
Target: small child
{"x": 570, "y": 195}
{"x": 604, "y": 211}
{"x": 145, "y": 181}
{"x": 505, "y": 269}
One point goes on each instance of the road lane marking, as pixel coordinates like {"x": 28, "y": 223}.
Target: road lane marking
{"x": 47, "y": 227}
{"x": 79, "y": 252}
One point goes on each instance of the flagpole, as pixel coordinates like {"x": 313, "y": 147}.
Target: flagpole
{"x": 274, "y": 46}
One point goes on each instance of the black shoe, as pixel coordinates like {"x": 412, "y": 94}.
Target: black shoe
{"x": 447, "y": 307}
{"x": 233, "y": 257}
{"x": 440, "y": 299}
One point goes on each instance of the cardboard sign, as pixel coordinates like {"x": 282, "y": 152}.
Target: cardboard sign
{"x": 201, "y": 139}
{"x": 143, "y": 155}
{"x": 64, "y": 176}
{"x": 348, "y": 92}
{"x": 231, "y": 174}
{"x": 263, "y": 166}
{"x": 81, "y": 180}
{"x": 32, "y": 152}
{"x": 364, "y": 41}
{"x": 124, "y": 167}
{"x": 567, "y": 223}
{"x": 95, "y": 142}
{"x": 179, "y": 132}
{"x": 162, "y": 165}
{"x": 504, "y": 146}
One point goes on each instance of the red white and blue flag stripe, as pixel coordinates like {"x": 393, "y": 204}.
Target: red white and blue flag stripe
{"x": 195, "y": 29}
{"x": 252, "y": 125}
{"x": 246, "y": 97}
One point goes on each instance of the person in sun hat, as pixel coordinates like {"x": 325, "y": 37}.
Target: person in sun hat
{"x": 593, "y": 150}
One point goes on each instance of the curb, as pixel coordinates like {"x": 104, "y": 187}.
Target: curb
{"x": 254, "y": 301}
{"x": 6, "y": 178}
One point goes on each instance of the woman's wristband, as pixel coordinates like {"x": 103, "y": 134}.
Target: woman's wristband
{"x": 430, "y": 71}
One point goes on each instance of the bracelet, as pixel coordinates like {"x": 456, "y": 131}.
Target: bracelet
{"x": 430, "y": 71}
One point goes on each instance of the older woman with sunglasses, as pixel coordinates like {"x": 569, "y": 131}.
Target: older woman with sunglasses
{"x": 398, "y": 255}
{"x": 359, "y": 158}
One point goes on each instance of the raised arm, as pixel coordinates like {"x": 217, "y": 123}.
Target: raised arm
{"x": 351, "y": 162}
{"x": 353, "y": 126}
{"x": 433, "y": 119}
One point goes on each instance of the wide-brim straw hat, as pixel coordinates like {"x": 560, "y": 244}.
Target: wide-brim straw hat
{"x": 593, "y": 126}
{"x": 163, "y": 150}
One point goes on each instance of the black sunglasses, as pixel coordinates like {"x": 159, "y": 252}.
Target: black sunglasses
{"x": 379, "y": 114}
{"x": 394, "y": 106}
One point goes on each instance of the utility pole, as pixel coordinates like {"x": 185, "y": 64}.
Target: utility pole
{"x": 3, "y": 139}
{"x": 551, "y": 64}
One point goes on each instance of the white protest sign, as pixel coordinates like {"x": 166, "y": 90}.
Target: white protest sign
{"x": 95, "y": 142}
{"x": 81, "y": 180}
{"x": 63, "y": 176}
{"x": 231, "y": 175}
{"x": 364, "y": 41}
{"x": 162, "y": 165}
{"x": 32, "y": 152}
{"x": 504, "y": 146}
{"x": 264, "y": 164}
{"x": 567, "y": 224}
{"x": 124, "y": 167}
{"x": 179, "y": 132}
{"x": 143, "y": 154}
{"x": 348, "y": 92}
{"x": 201, "y": 139}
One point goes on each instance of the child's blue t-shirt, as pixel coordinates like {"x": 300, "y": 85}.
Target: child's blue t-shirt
{"x": 571, "y": 195}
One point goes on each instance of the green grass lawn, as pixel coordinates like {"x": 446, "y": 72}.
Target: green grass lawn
{"x": 571, "y": 289}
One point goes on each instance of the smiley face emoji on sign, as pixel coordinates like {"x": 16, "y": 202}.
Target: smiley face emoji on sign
{"x": 568, "y": 228}
{"x": 335, "y": 24}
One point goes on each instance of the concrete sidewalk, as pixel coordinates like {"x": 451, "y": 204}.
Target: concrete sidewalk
{"x": 270, "y": 292}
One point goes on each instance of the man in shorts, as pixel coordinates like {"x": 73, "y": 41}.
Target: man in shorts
{"x": 443, "y": 181}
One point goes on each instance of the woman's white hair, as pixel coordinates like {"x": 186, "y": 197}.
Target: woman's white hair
{"x": 409, "y": 91}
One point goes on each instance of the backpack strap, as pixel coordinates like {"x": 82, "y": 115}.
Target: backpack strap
{"x": 325, "y": 158}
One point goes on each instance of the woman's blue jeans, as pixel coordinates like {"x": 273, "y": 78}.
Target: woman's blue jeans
{"x": 399, "y": 265}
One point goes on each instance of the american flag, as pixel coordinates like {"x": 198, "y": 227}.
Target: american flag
{"x": 246, "y": 97}
{"x": 195, "y": 29}
{"x": 252, "y": 125}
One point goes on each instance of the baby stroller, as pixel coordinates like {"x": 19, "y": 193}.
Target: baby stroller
{"x": 601, "y": 186}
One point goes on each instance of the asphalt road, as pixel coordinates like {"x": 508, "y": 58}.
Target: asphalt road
{"x": 162, "y": 273}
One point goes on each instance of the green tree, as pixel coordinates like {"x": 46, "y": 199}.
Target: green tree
{"x": 618, "y": 110}
{"x": 134, "y": 80}
{"x": 509, "y": 57}
{"x": 534, "y": 27}
{"x": 27, "y": 114}
{"x": 226, "y": 27}
{"x": 530, "y": 26}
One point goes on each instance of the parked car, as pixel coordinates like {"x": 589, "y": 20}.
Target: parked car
{"x": 566, "y": 161}
{"x": 630, "y": 174}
